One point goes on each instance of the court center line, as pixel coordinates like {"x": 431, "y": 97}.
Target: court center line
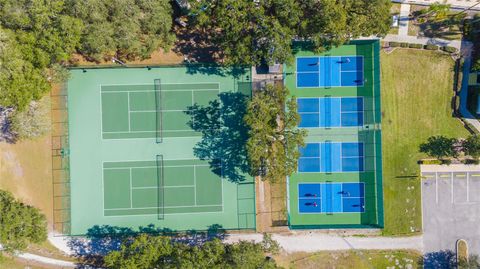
{"x": 128, "y": 107}
{"x": 131, "y": 188}
{"x": 195, "y": 184}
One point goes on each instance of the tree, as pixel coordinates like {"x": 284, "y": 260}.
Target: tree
{"x": 249, "y": 32}
{"x": 476, "y": 65}
{"x": 145, "y": 251}
{"x": 330, "y": 23}
{"x": 45, "y": 34}
{"x": 471, "y": 146}
{"x": 20, "y": 224}
{"x": 437, "y": 11}
{"x": 20, "y": 80}
{"x": 126, "y": 29}
{"x": 439, "y": 147}
{"x": 274, "y": 139}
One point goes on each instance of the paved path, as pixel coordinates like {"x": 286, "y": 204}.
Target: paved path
{"x": 456, "y": 4}
{"x": 403, "y": 21}
{"x": 311, "y": 242}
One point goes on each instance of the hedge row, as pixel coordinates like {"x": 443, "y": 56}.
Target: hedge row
{"x": 448, "y": 49}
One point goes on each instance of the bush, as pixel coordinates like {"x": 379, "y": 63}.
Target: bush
{"x": 476, "y": 65}
{"x": 431, "y": 47}
{"x": 404, "y": 44}
{"x": 446, "y": 162}
{"x": 449, "y": 49}
{"x": 394, "y": 44}
{"x": 415, "y": 46}
{"x": 471, "y": 161}
{"x": 431, "y": 162}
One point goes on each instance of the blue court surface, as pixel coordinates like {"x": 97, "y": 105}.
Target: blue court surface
{"x": 331, "y": 157}
{"x": 329, "y": 71}
{"x": 331, "y": 197}
{"x": 330, "y": 112}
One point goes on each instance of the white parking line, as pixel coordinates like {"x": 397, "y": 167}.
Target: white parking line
{"x": 468, "y": 187}
{"x": 436, "y": 187}
{"x": 451, "y": 182}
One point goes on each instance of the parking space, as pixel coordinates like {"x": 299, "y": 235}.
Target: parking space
{"x": 451, "y": 209}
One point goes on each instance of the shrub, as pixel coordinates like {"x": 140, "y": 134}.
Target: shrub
{"x": 446, "y": 162}
{"x": 415, "y": 46}
{"x": 404, "y": 44}
{"x": 431, "y": 162}
{"x": 394, "y": 44}
{"x": 449, "y": 49}
{"x": 431, "y": 47}
{"x": 471, "y": 161}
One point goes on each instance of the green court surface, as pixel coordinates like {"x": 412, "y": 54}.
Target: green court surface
{"x": 132, "y": 159}
{"x": 369, "y": 133}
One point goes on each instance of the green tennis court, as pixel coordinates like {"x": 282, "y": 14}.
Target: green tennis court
{"x": 132, "y": 111}
{"x": 132, "y": 157}
{"x": 161, "y": 187}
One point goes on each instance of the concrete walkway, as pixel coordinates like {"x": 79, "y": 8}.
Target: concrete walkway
{"x": 311, "y": 242}
{"x": 403, "y": 21}
{"x": 455, "y": 4}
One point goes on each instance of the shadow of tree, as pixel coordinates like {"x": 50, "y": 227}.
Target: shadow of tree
{"x": 102, "y": 239}
{"x": 444, "y": 259}
{"x": 6, "y": 133}
{"x": 224, "y": 134}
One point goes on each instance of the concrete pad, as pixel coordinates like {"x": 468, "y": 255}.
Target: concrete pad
{"x": 451, "y": 208}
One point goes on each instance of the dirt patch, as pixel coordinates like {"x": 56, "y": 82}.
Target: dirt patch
{"x": 25, "y": 170}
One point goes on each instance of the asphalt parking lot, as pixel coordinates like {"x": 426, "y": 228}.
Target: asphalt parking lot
{"x": 451, "y": 210}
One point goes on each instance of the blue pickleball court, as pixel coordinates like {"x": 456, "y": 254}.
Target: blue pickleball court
{"x": 331, "y": 157}
{"x": 329, "y": 71}
{"x": 331, "y": 197}
{"x": 330, "y": 112}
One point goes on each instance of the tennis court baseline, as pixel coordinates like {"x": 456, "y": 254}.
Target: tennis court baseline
{"x": 331, "y": 112}
{"x": 329, "y": 71}
{"x": 161, "y": 187}
{"x": 331, "y": 198}
{"x": 142, "y": 111}
{"x": 328, "y": 157}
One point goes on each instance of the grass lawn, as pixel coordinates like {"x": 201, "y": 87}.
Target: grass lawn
{"x": 351, "y": 259}
{"x": 26, "y": 171}
{"x": 416, "y": 96}
{"x": 9, "y": 263}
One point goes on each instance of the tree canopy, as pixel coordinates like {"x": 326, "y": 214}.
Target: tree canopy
{"x": 439, "y": 147}
{"x": 249, "y": 32}
{"x": 274, "y": 139}
{"x": 20, "y": 80}
{"x": 45, "y": 34}
{"x": 147, "y": 252}
{"x": 471, "y": 146}
{"x": 126, "y": 29}
{"x": 20, "y": 224}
